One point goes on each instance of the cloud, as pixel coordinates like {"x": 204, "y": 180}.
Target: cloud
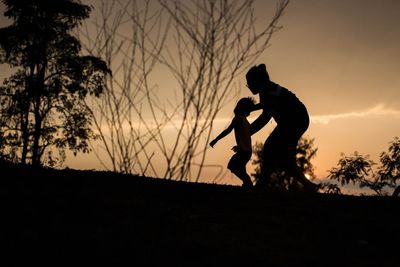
{"x": 378, "y": 110}
{"x": 223, "y": 121}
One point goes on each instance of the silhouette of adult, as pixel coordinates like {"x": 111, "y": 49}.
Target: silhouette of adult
{"x": 292, "y": 120}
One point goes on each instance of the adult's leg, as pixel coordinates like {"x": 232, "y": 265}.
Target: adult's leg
{"x": 294, "y": 171}
{"x": 270, "y": 157}
{"x": 292, "y": 137}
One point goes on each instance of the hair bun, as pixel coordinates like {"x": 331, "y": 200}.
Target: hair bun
{"x": 262, "y": 67}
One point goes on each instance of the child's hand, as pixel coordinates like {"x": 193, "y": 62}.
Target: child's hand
{"x": 212, "y": 143}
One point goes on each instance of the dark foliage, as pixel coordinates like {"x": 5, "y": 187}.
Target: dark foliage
{"x": 358, "y": 169}
{"x": 279, "y": 180}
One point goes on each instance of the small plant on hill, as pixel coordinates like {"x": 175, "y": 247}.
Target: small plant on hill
{"x": 358, "y": 169}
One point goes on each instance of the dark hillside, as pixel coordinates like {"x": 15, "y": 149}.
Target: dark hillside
{"x": 70, "y": 216}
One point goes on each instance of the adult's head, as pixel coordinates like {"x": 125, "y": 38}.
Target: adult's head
{"x": 257, "y": 77}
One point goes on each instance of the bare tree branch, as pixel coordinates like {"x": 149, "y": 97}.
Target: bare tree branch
{"x": 202, "y": 46}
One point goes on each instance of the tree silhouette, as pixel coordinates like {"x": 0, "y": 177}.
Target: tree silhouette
{"x": 389, "y": 171}
{"x": 358, "y": 169}
{"x": 279, "y": 180}
{"x": 351, "y": 169}
{"x": 42, "y": 101}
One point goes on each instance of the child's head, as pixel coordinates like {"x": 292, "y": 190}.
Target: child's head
{"x": 244, "y": 106}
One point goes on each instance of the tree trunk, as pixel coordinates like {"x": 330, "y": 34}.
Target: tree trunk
{"x": 25, "y": 133}
{"x": 396, "y": 192}
{"x": 39, "y": 86}
{"x": 36, "y": 136}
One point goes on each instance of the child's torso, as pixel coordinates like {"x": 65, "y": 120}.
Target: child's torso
{"x": 242, "y": 133}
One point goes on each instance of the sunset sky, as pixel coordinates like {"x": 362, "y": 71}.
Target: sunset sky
{"x": 341, "y": 58}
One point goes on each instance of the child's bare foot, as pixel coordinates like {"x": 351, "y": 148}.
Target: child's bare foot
{"x": 247, "y": 185}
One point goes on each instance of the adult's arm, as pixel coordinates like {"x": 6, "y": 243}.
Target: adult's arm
{"x": 260, "y": 122}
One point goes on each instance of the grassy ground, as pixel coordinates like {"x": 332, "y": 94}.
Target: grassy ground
{"x": 83, "y": 217}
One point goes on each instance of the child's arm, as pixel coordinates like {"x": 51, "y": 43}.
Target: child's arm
{"x": 223, "y": 134}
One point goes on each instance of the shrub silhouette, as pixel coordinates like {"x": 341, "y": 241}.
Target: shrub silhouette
{"x": 358, "y": 169}
{"x": 279, "y": 180}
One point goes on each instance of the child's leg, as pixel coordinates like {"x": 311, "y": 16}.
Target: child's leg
{"x": 237, "y": 165}
{"x": 242, "y": 175}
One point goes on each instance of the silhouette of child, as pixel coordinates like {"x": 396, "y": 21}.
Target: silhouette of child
{"x": 243, "y": 148}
